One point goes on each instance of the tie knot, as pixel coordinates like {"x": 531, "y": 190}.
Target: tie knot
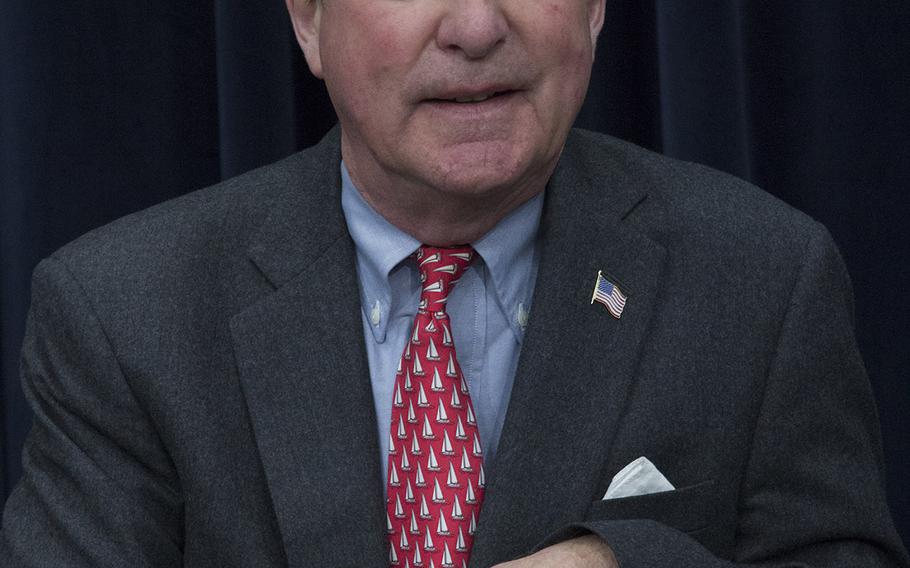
{"x": 440, "y": 268}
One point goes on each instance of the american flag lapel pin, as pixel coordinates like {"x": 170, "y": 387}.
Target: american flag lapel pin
{"x": 609, "y": 294}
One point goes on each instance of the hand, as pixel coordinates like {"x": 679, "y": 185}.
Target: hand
{"x": 583, "y": 552}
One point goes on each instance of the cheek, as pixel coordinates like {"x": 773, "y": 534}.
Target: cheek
{"x": 353, "y": 42}
{"x": 371, "y": 63}
{"x": 389, "y": 37}
{"x": 354, "y": 75}
{"x": 381, "y": 43}
{"x": 557, "y": 33}
{"x": 568, "y": 65}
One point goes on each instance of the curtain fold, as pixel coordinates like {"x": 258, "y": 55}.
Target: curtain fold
{"x": 107, "y": 108}
{"x": 255, "y": 64}
{"x": 702, "y": 96}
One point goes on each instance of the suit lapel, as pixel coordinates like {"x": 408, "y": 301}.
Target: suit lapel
{"x": 304, "y": 373}
{"x": 576, "y": 368}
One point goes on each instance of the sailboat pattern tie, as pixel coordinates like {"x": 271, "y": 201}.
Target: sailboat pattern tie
{"x": 436, "y": 478}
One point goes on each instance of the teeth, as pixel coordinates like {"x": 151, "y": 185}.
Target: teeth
{"x": 477, "y": 99}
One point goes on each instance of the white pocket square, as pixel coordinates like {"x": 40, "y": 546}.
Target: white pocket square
{"x": 640, "y": 477}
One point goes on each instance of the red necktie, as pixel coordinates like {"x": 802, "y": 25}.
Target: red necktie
{"x": 436, "y": 479}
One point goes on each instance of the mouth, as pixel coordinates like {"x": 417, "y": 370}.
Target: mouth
{"x": 471, "y": 98}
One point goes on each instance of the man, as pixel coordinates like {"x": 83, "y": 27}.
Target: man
{"x": 215, "y": 383}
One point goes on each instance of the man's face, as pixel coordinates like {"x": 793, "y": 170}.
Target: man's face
{"x": 456, "y": 96}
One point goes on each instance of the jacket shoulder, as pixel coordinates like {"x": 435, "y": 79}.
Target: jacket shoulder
{"x": 689, "y": 203}
{"x": 198, "y": 231}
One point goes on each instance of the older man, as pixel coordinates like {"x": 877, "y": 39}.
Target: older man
{"x": 281, "y": 370}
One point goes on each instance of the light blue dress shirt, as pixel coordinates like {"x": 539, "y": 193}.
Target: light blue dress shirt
{"x": 488, "y": 308}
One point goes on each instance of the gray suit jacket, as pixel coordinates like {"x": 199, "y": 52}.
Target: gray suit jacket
{"x": 202, "y": 396}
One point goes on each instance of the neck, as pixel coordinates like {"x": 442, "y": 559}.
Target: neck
{"x": 444, "y": 218}
{"x": 445, "y": 222}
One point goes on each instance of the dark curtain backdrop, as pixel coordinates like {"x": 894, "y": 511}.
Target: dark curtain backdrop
{"x": 108, "y": 107}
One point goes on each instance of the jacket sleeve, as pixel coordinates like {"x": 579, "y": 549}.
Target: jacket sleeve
{"x": 812, "y": 493}
{"x": 98, "y": 488}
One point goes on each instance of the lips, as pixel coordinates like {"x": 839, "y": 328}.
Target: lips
{"x": 477, "y": 107}
{"x": 481, "y": 110}
{"x": 475, "y": 99}
{"x": 469, "y": 95}
{"x": 478, "y": 98}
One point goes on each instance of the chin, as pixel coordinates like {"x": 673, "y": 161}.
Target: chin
{"x": 476, "y": 182}
{"x": 478, "y": 169}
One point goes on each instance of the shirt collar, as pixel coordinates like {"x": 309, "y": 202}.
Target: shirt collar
{"x": 508, "y": 251}
{"x": 380, "y": 247}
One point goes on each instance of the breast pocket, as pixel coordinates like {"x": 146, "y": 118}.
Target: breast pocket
{"x": 687, "y": 509}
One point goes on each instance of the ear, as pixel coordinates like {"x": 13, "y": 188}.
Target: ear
{"x": 596, "y": 9}
{"x": 305, "y": 17}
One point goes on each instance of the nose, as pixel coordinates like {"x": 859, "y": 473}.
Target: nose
{"x": 474, "y": 28}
